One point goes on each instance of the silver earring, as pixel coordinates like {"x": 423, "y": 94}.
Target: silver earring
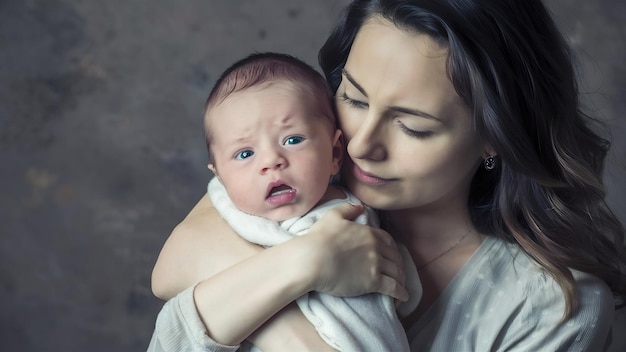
{"x": 490, "y": 163}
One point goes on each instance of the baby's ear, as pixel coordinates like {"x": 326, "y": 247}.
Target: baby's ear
{"x": 337, "y": 151}
{"x": 214, "y": 171}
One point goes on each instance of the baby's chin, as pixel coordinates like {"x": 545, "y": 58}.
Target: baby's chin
{"x": 286, "y": 212}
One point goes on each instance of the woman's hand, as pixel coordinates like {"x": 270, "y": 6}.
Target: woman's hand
{"x": 350, "y": 259}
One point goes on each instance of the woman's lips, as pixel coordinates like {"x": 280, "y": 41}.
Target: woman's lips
{"x": 367, "y": 178}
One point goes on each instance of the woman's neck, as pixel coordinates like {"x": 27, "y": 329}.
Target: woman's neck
{"x": 440, "y": 243}
{"x": 428, "y": 226}
{"x": 431, "y": 234}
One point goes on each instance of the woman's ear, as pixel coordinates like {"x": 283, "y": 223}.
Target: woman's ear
{"x": 337, "y": 151}
{"x": 488, "y": 151}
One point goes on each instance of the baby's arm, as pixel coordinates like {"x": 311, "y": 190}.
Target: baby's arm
{"x": 200, "y": 246}
{"x": 289, "y": 331}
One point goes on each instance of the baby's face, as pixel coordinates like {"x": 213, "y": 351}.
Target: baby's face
{"x": 272, "y": 152}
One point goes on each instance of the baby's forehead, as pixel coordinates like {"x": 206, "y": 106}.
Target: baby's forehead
{"x": 282, "y": 91}
{"x": 276, "y": 103}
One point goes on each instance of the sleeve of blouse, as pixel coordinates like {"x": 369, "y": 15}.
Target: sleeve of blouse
{"x": 587, "y": 329}
{"x": 179, "y": 328}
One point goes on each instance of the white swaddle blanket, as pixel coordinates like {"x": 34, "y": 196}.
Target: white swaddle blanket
{"x": 363, "y": 323}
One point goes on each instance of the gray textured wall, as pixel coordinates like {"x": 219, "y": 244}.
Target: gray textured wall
{"x": 102, "y": 154}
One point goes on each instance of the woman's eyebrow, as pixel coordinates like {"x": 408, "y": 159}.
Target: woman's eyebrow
{"x": 399, "y": 109}
{"x": 414, "y": 112}
{"x": 351, "y": 79}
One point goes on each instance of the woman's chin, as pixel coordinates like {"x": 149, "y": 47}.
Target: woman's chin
{"x": 370, "y": 196}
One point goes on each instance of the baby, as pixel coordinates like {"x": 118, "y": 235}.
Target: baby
{"x": 274, "y": 146}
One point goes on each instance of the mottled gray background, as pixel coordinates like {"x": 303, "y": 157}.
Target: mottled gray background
{"x": 102, "y": 154}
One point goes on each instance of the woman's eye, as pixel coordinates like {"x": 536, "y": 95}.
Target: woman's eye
{"x": 353, "y": 103}
{"x": 244, "y": 154}
{"x": 293, "y": 140}
{"x": 414, "y": 133}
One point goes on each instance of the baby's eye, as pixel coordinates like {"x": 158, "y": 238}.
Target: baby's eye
{"x": 244, "y": 154}
{"x": 294, "y": 140}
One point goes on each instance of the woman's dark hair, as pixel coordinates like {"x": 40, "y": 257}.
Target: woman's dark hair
{"x": 511, "y": 66}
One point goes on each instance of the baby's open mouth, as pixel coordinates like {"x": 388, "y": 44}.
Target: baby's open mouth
{"x": 278, "y": 190}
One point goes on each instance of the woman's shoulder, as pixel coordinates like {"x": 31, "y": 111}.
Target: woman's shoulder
{"x": 507, "y": 261}
{"x": 593, "y": 297}
{"x": 510, "y": 272}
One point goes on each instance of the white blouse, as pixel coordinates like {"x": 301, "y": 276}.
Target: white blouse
{"x": 501, "y": 300}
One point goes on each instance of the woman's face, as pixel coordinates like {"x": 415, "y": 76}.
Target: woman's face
{"x": 409, "y": 134}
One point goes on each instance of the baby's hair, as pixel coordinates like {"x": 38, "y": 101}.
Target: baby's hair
{"x": 263, "y": 68}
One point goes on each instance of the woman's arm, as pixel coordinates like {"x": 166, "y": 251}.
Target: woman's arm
{"x": 237, "y": 300}
{"x": 192, "y": 253}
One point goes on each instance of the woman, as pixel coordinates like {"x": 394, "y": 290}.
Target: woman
{"x": 463, "y": 128}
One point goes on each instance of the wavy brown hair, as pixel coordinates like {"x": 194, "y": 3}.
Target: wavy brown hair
{"x": 513, "y": 69}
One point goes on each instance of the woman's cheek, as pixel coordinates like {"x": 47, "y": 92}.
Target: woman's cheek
{"x": 348, "y": 121}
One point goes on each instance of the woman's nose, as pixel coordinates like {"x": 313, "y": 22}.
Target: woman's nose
{"x": 272, "y": 160}
{"x": 369, "y": 140}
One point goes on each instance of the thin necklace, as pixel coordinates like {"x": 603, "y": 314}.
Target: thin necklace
{"x": 446, "y": 251}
